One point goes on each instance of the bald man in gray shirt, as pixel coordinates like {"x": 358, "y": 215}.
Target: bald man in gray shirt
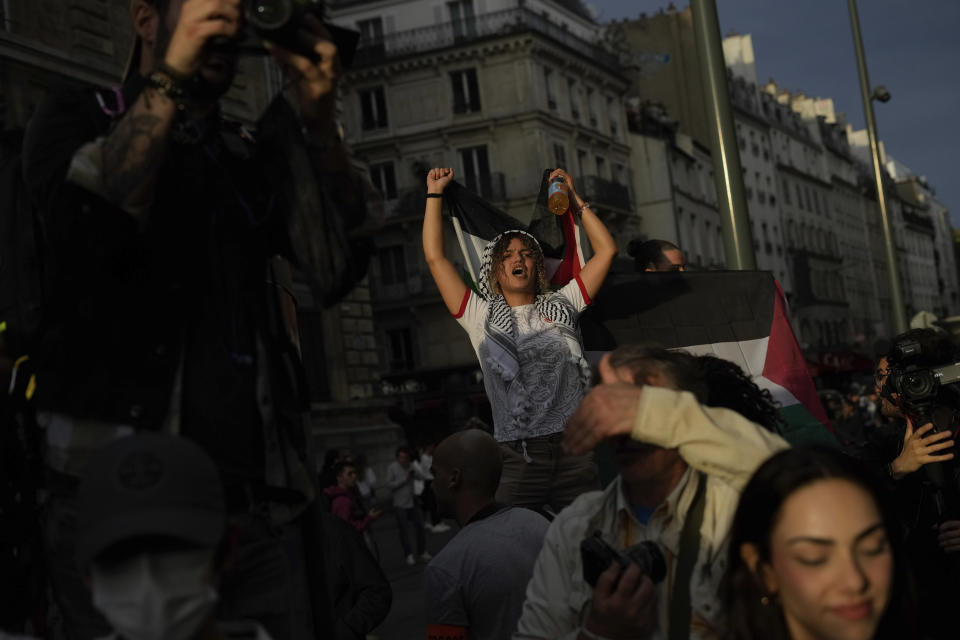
{"x": 475, "y": 587}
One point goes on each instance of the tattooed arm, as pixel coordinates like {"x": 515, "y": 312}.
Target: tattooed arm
{"x": 122, "y": 166}
{"x": 130, "y": 156}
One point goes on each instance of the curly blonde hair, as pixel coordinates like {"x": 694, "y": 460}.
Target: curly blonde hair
{"x": 496, "y": 261}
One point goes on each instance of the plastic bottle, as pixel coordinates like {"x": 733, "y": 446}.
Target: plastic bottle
{"x": 558, "y": 197}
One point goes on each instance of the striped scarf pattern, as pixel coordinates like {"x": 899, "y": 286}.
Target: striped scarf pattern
{"x": 502, "y": 333}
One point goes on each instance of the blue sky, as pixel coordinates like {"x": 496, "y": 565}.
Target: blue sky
{"x": 912, "y": 48}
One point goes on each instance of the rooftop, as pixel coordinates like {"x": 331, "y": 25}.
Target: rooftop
{"x": 487, "y": 26}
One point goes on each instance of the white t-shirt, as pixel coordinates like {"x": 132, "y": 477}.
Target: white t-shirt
{"x": 547, "y": 370}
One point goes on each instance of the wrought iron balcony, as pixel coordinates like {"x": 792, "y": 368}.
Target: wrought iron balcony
{"x": 605, "y": 193}
{"x": 489, "y": 25}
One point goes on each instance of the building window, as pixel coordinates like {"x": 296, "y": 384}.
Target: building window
{"x": 548, "y": 86}
{"x": 466, "y": 91}
{"x": 462, "y": 19}
{"x": 581, "y": 161}
{"x": 371, "y": 31}
{"x": 560, "y": 154}
{"x": 384, "y": 179}
{"x": 601, "y": 167}
{"x": 786, "y": 191}
{"x": 574, "y": 103}
{"x": 612, "y": 116}
{"x": 400, "y": 344}
{"x": 373, "y": 107}
{"x": 799, "y": 197}
{"x": 806, "y": 192}
{"x": 618, "y": 173}
{"x": 591, "y": 113}
{"x": 816, "y": 202}
{"x": 476, "y": 169}
{"x": 393, "y": 266}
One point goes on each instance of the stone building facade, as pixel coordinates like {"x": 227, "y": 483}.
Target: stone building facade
{"x": 498, "y": 90}
{"x": 809, "y": 190}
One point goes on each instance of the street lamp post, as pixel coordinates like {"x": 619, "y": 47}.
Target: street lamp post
{"x": 893, "y": 267}
{"x": 731, "y": 204}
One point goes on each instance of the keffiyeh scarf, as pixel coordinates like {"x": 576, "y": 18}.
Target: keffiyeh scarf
{"x": 502, "y": 336}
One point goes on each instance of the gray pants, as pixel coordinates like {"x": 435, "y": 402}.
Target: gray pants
{"x": 553, "y": 478}
{"x": 265, "y": 582}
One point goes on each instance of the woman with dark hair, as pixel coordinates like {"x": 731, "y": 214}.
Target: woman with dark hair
{"x": 729, "y": 386}
{"x": 815, "y": 553}
{"x": 527, "y": 340}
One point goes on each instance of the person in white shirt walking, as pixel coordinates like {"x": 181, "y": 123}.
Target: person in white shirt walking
{"x": 423, "y": 487}
{"x": 400, "y": 477}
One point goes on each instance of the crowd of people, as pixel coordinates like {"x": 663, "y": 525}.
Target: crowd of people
{"x": 179, "y": 499}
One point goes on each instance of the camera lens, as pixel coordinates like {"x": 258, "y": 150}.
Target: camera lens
{"x": 917, "y": 384}
{"x": 269, "y": 15}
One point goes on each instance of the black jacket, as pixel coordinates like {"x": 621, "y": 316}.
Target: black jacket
{"x": 358, "y": 591}
{"x": 124, "y": 301}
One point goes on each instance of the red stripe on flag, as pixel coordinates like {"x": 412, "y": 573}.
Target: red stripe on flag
{"x": 570, "y": 264}
{"x": 785, "y": 364}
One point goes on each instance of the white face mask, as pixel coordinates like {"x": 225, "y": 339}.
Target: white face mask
{"x": 156, "y": 596}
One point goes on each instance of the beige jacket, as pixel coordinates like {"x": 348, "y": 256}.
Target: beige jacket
{"x": 718, "y": 442}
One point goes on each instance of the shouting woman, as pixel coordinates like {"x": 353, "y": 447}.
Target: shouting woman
{"x": 528, "y": 343}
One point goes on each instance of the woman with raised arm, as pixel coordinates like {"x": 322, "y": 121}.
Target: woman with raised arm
{"x": 528, "y": 343}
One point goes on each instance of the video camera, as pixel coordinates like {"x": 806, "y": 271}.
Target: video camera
{"x": 918, "y": 387}
{"x": 597, "y": 556}
{"x": 278, "y": 21}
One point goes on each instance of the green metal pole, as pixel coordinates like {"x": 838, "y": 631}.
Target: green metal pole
{"x": 893, "y": 267}
{"x": 731, "y": 204}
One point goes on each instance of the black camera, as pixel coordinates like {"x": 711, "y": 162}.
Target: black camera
{"x": 597, "y": 555}
{"x": 917, "y": 386}
{"x": 279, "y": 20}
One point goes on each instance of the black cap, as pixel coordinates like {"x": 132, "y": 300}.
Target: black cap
{"x": 149, "y": 484}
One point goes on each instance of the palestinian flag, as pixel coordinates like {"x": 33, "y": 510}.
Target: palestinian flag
{"x": 477, "y": 222}
{"x": 740, "y": 316}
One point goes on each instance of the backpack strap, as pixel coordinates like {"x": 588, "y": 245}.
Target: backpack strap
{"x": 681, "y": 607}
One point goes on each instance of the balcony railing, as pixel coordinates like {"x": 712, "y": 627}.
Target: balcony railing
{"x": 498, "y": 23}
{"x": 602, "y": 192}
{"x": 919, "y": 221}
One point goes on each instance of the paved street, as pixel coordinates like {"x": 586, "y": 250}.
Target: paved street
{"x": 406, "y": 620}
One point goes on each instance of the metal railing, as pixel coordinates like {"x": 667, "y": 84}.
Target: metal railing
{"x": 498, "y": 23}
{"x": 602, "y": 192}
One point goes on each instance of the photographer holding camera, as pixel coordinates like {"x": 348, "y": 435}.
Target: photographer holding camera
{"x": 168, "y": 234}
{"x": 915, "y": 383}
